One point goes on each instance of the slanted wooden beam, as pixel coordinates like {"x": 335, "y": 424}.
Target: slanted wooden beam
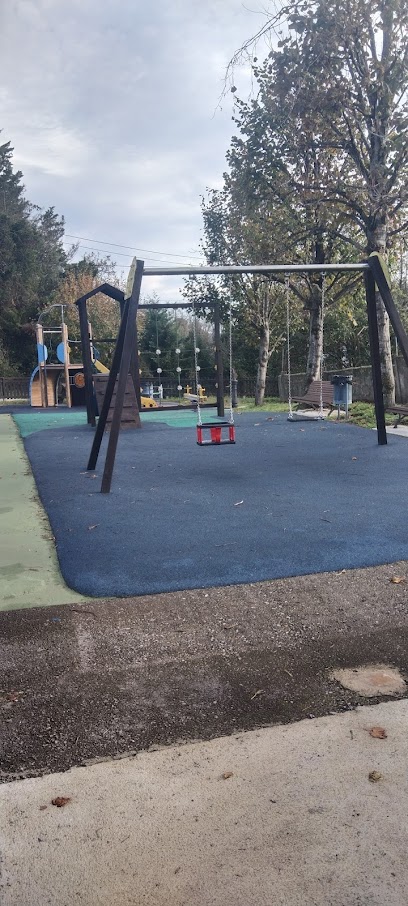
{"x": 125, "y": 360}
{"x": 381, "y": 280}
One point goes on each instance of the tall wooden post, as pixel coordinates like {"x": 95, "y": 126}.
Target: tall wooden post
{"x": 384, "y": 289}
{"x": 86, "y": 361}
{"x": 110, "y": 386}
{"x": 134, "y": 360}
{"x": 64, "y": 331}
{"x": 119, "y": 371}
{"x": 125, "y": 360}
{"x": 42, "y": 375}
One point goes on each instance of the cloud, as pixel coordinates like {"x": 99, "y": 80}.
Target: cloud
{"x": 56, "y": 152}
{"x": 112, "y": 111}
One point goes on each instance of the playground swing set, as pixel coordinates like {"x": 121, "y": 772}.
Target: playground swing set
{"x": 125, "y": 358}
{"x": 217, "y": 434}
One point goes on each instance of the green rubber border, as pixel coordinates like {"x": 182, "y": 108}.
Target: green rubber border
{"x": 29, "y": 570}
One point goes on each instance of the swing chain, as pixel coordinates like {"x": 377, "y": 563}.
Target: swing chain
{"x": 290, "y": 416}
{"x": 230, "y": 364}
{"x": 199, "y": 420}
{"x": 323, "y": 295}
{"x": 320, "y": 414}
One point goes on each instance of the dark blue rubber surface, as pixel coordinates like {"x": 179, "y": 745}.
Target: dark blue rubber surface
{"x": 287, "y": 499}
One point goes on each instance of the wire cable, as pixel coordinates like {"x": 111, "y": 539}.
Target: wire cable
{"x": 131, "y": 248}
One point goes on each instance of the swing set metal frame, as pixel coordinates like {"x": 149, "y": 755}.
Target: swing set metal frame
{"x": 125, "y": 356}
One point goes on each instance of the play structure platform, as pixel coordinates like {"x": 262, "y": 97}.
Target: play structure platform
{"x": 52, "y": 376}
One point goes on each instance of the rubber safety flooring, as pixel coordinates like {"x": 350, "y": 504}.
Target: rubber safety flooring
{"x": 286, "y": 499}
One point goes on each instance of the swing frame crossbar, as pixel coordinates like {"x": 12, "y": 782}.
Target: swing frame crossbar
{"x": 125, "y": 355}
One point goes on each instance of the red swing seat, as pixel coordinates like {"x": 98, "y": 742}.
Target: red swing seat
{"x": 217, "y": 436}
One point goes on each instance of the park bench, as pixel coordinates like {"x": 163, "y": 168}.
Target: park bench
{"x": 400, "y": 412}
{"x": 312, "y": 396}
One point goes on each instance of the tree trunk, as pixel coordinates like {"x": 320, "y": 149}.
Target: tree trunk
{"x": 384, "y": 339}
{"x": 314, "y": 357}
{"x": 377, "y": 243}
{"x": 262, "y": 365}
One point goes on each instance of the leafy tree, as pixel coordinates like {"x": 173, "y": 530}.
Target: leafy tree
{"x": 158, "y": 332}
{"x": 232, "y": 235}
{"x": 81, "y": 277}
{"x": 342, "y": 66}
{"x": 280, "y": 159}
{"x": 256, "y": 219}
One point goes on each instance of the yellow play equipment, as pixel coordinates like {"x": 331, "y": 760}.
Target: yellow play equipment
{"x": 148, "y": 403}
{"x": 194, "y": 397}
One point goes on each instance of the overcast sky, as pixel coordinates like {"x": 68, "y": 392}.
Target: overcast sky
{"x": 112, "y": 109}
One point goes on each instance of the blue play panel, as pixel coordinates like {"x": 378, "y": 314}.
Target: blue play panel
{"x": 287, "y": 499}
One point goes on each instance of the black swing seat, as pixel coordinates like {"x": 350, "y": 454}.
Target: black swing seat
{"x": 217, "y": 437}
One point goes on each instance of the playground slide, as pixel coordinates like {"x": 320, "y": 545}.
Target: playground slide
{"x": 101, "y": 368}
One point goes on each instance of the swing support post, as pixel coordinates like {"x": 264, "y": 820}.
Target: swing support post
{"x": 375, "y": 357}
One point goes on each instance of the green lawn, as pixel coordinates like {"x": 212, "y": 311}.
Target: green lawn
{"x": 270, "y": 404}
{"x": 362, "y": 414}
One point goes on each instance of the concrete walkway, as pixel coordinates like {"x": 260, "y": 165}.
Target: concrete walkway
{"x": 29, "y": 570}
{"x": 285, "y": 816}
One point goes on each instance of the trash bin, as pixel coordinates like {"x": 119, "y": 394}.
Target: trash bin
{"x": 342, "y": 390}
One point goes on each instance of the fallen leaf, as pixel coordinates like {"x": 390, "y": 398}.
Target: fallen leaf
{"x": 396, "y": 580}
{"x": 13, "y": 696}
{"x": 375, "y": 776}
{"x": 92, "y": 526}
{"x": 239, "y": 503}
{"x": 227, "y": 774}
{"x": 42, "y": 808}
{"x": 258, "y": 692}
{"x": 378, "y": 733}
{"x": 60, "y": 801}
{"x": 354, "y": 457}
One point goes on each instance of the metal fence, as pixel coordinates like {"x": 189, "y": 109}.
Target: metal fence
{"x": 18, "y": 388}
{"x": 246, "y": 386}
{"x": 14, "y": 388}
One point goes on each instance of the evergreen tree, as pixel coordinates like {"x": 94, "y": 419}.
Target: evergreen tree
{"x": 32, "y": 260}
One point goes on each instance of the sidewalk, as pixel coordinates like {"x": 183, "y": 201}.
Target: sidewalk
{"x": 285, "y": 816}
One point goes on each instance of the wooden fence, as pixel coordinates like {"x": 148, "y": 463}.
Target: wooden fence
{"x": 14, "y": 388}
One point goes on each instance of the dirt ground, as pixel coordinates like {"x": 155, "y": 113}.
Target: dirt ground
{"x": 85, "y": 682}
